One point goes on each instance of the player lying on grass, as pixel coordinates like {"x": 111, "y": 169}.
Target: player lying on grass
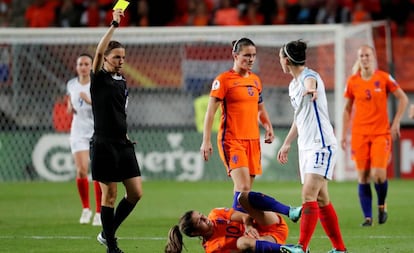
{"x": 226, "y": 230}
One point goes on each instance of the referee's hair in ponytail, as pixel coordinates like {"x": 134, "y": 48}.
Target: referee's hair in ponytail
{"x": 295, "y": 51}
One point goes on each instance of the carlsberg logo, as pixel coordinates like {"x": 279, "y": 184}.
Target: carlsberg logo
{"x": 53, "y": 160}
{"x": 166, "y": 157}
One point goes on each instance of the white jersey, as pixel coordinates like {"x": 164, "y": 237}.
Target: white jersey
{"x": 82, "y": 123}
{"x": 311, "y": 118}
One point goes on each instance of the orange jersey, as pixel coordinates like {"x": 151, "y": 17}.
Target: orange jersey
{"x": 240, "y": 105}
{"x": 370, "y": 115}
{"x": 226, "y": 231}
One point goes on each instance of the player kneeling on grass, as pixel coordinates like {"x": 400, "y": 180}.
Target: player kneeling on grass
{"x": 225, "y": 230}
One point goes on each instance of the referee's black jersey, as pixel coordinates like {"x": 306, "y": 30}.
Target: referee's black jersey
{"x": 109, "y": 96}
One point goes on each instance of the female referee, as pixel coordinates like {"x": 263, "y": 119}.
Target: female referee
{"x": 113, "y": 157}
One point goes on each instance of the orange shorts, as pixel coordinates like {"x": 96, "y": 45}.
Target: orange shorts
{"x": 278, "y": 231}
{"x": 371, "y": 151}
{"x": 241, "y": 153}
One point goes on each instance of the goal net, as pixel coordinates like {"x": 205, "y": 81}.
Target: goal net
{"x": 166, "y": 69}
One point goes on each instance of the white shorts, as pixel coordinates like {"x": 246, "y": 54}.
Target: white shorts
{"x": 317, "y": 161}
{"x": 79, "y": 144}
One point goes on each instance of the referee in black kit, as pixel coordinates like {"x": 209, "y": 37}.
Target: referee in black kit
{"x": 112, "y": 154}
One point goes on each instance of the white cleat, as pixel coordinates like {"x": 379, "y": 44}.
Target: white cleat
{"x": 97, "y": 220}
{"x": 85, "y": 216}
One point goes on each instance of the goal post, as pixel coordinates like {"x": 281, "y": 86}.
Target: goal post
{"x": 166, "y": 68}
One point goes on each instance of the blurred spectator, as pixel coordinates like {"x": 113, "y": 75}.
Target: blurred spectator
{"x": 92, "y": 15}
{"x": 68, "y": 15}
{"x": 398, "y": 11}
{"x": 303, "y": 12}
{"x": 95, "y": 13}
{"x": 333, "y": 13}
{"x": 359, "y": 14}
{"x": 375, "y": 8}
{"x": 410, "y": 25}
{"x": 250, "y": 14}
{"x": 349, "y": 3}
{"x": 41, "y": 13}
{"x": 198, "y": 14}
{"x": 268, "y": 9}
{"x": 5, "y": 12}
{"x": 160, "y": 12}
{"x": 107, "y": 5}
{"x": 182, "y": 10}
{"x": 292, "y": 2}
{"x": 211, "y": 5}
{"x": 139, "y": 13}
{"x": 181, "y": 13}
{"x": 280, "y": 13}
{"x": 226, "y": 14}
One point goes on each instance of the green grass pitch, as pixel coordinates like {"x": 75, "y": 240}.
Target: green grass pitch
{"x": 43, "y": 216}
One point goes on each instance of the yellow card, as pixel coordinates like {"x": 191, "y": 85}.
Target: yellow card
{"x": 121, "y": 4}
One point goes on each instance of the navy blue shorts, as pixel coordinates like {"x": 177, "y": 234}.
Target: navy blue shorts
{"x": 113, "y": 161}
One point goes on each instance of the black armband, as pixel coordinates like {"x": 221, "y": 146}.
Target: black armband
{"x": 114, "y": 23}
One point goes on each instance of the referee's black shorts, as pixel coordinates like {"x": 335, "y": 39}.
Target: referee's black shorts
{"x": 113, "y": 161}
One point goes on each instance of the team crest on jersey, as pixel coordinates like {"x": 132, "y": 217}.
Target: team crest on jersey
{"x": 377, "y": 86}
{"x": 216, "y": 85}
{"x": 250, "y": 91}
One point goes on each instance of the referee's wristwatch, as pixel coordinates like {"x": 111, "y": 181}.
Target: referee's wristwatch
{"x": 114, "y": 23}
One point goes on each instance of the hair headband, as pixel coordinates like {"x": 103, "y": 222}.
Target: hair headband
{"x": 235, "y": 45}
{"x": 290, "y": 57}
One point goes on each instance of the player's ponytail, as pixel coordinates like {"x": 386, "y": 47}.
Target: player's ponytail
{"x": 175, "y": 241}
{"x": 356, "y": 67}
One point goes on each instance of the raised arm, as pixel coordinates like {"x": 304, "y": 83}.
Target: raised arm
{"x": 103, "y": 43}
